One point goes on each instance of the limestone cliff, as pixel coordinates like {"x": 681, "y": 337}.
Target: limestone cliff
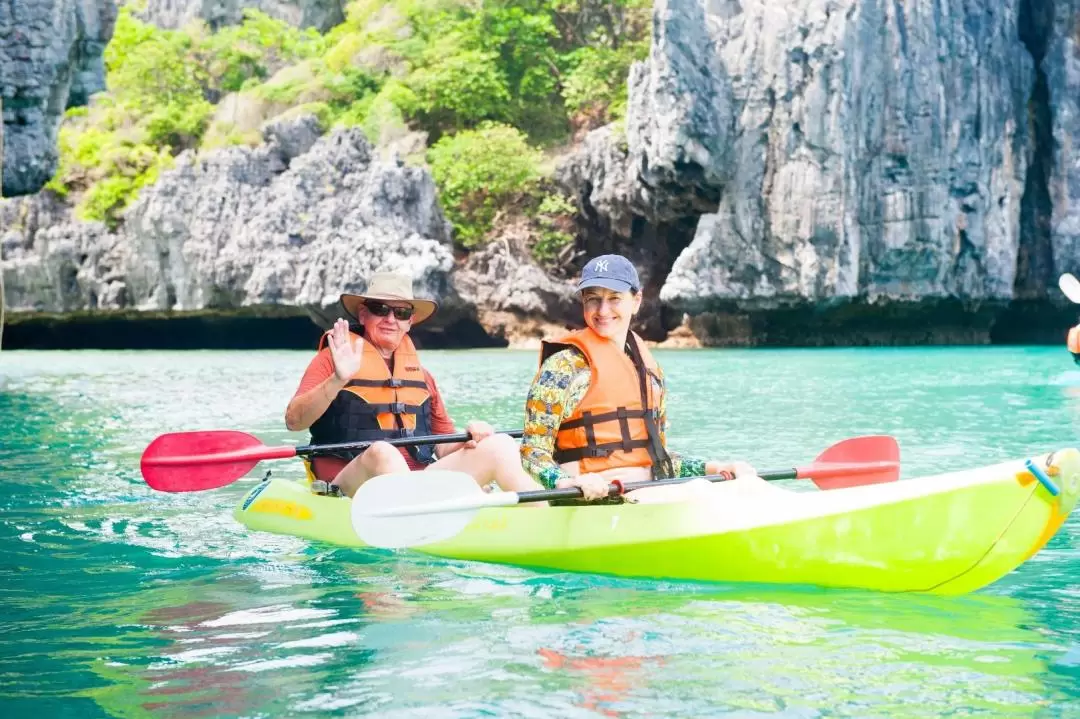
{"x": 50, "y": 59}
{"x": 294, "y": 222}
{"x": 803, "y": 172}
{"x": 828, "y": 151}
{"x": 297, "y": 221}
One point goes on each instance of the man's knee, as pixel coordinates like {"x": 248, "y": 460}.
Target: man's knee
{"x": 380, "y": 453}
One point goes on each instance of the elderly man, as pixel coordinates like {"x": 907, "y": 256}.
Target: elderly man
{"x": 371, "y": 386}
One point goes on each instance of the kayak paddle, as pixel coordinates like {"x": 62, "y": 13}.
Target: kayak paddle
{"x": 1070, "y": 286}
{"x": 194, "y": 461}
{"x": 404, "y": 510}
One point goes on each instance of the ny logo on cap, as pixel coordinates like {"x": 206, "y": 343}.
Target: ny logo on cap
{"x": 600, "y": 266}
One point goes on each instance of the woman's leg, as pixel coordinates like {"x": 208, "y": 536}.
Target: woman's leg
{"x": 493, "y": 459}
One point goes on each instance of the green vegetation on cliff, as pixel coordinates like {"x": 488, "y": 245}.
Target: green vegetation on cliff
{"x": 479, "y": 91}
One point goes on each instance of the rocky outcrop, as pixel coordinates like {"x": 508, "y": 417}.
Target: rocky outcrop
{"x": 869, "y": 164}
{"x": 295, "y": 221}
{"x": 53, "y": 263}
{"x": 319, "y": 14}
{"x": 670, "y": 159}
{"x": 1060, "y": 65}
{"x": 601, "y": 176}
{"x": 679, "y": 121}
{"x": 50, "y": 59}
{"x": 512, "y": 298}
{"x": 835, "y": 151}
{"x": 292, "y": 223}
{"x": 641, "y": 185}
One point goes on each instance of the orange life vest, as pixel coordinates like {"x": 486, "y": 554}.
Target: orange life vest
{"x": 376, "y": 404}
{"x": 615, "y": 425}
{"x": 1073, "y": 343}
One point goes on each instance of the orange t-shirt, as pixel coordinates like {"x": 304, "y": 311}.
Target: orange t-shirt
{"x": 321, "y": 367}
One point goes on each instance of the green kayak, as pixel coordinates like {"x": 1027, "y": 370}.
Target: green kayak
{"x": 946, "y": 534}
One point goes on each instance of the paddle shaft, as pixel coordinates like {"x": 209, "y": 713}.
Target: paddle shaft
{"x": 261, "y": 452}
{"x": 835, "y": 470}
{"x": 546, "y": 495}
{"x": 504, "y": 499}
{"x": 397, "y": 442}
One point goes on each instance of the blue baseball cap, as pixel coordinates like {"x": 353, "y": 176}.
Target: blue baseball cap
{"x": 611, "y": 271}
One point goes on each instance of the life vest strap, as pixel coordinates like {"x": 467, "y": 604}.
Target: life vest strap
{"x": 657, "y": 452}
{"x": 626, "y": 443}
{"x": 363, "y": 435}
{"x": 393, "y": 383}
{"x": 624, "y": 430}
{"x": 391, "y": 408}
{"x": 620, "y": 413}
{"x": 599, "y": 450}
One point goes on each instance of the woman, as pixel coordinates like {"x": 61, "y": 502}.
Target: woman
{"x": 596, "y": 411}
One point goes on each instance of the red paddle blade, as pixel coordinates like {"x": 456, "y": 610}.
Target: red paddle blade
{"x": 872, "y": 459}
{"x": 193, "y": 461}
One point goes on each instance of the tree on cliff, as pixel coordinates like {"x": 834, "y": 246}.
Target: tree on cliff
{"x": 489, "y": 86}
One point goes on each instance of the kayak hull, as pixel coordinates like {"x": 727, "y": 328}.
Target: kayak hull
{"x": 944, "y": 534}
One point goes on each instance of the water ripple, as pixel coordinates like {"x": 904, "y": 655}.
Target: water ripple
{"x": 120, "y": 601}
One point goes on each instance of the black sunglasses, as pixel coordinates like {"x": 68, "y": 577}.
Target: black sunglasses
{"x": 380, "y": 309}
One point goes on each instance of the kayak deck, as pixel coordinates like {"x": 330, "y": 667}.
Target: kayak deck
{"x": 946, "y": 534}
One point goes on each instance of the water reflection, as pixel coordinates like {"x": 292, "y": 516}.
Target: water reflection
{"x": 419, "y": 636}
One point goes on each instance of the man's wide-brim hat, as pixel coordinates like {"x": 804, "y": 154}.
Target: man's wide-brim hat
{"x": 390, "y": 287}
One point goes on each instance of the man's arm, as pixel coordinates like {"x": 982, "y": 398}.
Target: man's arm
{"x": 317, "y": 390}
{"x": 440, "y": 418}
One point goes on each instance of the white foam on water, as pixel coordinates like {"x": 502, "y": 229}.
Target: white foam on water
{"x": 336, "y": 639}
{"x": 278, "y": 613}
{"x": 303, "y": 660}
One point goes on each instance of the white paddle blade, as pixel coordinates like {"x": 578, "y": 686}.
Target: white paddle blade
{"x": 1070, "y": 286}
{"x": 381, "y": 514}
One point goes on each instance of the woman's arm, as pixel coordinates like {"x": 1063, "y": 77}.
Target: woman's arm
{"x": 556, "y": 392}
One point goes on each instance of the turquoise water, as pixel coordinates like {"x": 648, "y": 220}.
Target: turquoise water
{"x": 119, "y": 601}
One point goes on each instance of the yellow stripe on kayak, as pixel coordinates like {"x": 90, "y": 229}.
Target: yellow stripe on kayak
{"x": 281, "y": 507}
